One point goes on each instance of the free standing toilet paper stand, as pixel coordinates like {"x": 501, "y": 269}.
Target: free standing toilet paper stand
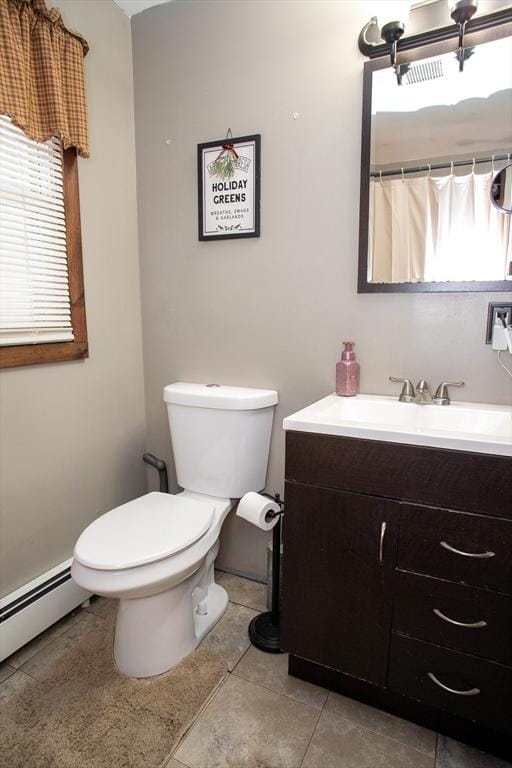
{"x": 264, "y": 632}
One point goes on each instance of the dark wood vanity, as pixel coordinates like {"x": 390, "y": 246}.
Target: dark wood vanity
{"x": 398, "y": 580}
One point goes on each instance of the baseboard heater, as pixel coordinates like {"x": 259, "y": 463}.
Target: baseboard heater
{"x": 35, "y": 606}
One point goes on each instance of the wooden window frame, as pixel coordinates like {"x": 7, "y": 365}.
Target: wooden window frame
{"x": 60, "y": 351}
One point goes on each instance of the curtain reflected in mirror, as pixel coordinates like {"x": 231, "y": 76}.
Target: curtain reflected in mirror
{"x": 431, "y": 229}
{"x": 437, "y": 145}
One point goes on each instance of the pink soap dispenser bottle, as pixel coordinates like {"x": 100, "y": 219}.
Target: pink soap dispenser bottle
{"x": 347, "y": 372}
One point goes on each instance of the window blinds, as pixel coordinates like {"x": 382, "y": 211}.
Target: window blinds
{"x": 34, "y": 290}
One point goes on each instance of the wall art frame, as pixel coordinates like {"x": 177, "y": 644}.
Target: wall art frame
{"x": 229, "y": 188}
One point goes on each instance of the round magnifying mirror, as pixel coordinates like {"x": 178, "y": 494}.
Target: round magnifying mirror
{"x": 501, "y": 189}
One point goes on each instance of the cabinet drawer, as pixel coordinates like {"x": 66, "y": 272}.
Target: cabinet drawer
{"x": 465, "y": 618}
{"x": 470, "y": 549}
{"x": 483, "y": 686}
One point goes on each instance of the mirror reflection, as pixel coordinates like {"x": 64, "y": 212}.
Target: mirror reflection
{"x": 501, "y": 189}
{"x": 437, "y": 201}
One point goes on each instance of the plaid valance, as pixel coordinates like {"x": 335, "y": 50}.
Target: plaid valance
{"x": 42, "y": 87}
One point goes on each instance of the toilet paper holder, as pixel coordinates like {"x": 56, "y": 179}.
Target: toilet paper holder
{"x": 264, "y": 629}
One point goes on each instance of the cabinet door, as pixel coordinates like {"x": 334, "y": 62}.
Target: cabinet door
{"x": 339, "y": 554}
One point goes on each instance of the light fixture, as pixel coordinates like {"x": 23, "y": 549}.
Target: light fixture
{"x": 461, "y": 12}
{"x": 391, "y": 20}
{"x": 390, "y": 23}
{"x": 391, "y": 34}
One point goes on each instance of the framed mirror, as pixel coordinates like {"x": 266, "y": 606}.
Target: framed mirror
{"x": 435, "y": 152}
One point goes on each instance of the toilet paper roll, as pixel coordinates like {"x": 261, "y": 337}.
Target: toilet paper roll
{"x": 254, "y": 508}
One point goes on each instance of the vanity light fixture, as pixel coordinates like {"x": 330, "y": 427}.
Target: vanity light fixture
{"x": 461, "y": 12}
{"x": 391, "y": 19}
{"x": 390, "y": 22}
{"x": 391, "y": 34}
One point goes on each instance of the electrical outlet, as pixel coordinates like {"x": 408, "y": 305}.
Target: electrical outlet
{"x": 493, "y": 311}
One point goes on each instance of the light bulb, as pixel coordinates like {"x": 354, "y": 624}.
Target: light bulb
{"x": 393, "y": 10}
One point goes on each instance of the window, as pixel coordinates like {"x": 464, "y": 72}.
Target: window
{"x": 42, "y": 310}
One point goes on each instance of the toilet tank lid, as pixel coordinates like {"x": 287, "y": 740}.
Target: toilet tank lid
{"x": 219, "y": 396}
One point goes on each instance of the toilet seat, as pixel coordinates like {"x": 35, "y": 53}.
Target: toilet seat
{"x": 145, "y": 530}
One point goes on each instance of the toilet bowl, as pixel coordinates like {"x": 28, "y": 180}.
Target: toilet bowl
{"x": 156, "y": 553}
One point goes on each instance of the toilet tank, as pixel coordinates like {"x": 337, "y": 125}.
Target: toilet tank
{"x": 220, "y": 436}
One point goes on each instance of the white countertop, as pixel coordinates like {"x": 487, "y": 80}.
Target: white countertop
{"x": 475, "y": 427}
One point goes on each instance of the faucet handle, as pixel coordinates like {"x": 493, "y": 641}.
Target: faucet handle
{"x": 407, "y": 393}
{"x": 441, "y": 396}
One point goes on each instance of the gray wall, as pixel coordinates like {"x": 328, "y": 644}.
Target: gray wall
{"x": 272, "y": 312}
{"x": 73, "y": 433}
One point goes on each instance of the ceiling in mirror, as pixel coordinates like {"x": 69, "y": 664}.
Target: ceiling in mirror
{"x": 437, "y": 111}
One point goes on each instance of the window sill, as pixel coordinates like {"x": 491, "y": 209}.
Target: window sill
{"x": 35, "y": 354}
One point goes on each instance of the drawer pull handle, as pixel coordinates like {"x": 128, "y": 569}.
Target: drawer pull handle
{"x": 381, "y": 543}
{"x": 470, "y": 692}
{"x": 484, "y": 555}
{"x": 475, "y": 625}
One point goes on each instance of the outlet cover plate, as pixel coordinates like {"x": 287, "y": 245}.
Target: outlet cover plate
{"x": 493, "y": 310}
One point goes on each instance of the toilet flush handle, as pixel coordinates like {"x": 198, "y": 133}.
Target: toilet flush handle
{"x": 161, "y": 466}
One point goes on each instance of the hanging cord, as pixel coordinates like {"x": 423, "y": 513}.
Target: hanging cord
{"x": 503, "y": 365}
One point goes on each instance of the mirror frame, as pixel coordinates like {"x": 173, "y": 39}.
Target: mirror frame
{"x": 504, "y": 29}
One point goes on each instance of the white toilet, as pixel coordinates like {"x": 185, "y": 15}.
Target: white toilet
{"x": 157, "y": 552}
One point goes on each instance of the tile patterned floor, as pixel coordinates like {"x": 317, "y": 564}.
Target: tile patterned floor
{"x": 259, "y": 717}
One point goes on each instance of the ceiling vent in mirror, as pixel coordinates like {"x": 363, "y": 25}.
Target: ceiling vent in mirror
{"x": 420, "y": 73}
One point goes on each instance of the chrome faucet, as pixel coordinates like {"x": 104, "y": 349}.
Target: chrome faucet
{"x": 422, "y": 394}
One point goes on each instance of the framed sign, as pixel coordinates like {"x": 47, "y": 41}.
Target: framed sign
{"x": 229, "y": 188}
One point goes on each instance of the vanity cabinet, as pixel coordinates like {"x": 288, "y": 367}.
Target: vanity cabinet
{"x": 398, "y": 580}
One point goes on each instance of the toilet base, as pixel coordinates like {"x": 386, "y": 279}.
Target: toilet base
{"x": 155, "y": 633}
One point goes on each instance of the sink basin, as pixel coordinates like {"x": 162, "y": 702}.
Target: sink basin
{"x": 460, "y": 426}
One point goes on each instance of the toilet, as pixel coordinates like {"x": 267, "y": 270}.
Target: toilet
{"x": 156, "y": 554}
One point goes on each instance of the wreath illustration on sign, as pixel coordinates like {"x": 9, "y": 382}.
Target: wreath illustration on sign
{"x": 228, "y": 161}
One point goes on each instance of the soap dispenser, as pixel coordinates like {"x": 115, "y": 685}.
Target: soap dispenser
{"x": 347, "y": 372}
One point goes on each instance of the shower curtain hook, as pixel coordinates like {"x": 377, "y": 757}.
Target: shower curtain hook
{"x": 403, "y": 176}
{"x": 380, "y": 174}
{"x": 473, "y": 166}
{"x": 451, "y": 168}
{"x": 429, "y": 170}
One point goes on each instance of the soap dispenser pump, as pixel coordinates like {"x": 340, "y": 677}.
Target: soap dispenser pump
{"x": 347, "y": 372}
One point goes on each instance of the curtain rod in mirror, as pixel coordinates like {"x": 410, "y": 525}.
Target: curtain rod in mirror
{"x": 440, "y": 166}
